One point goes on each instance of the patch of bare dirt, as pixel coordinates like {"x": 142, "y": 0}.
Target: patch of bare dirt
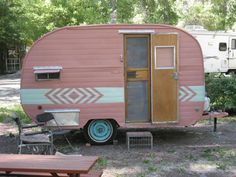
{"x": 178, "y": 152}
{"x": 10, "y": 89}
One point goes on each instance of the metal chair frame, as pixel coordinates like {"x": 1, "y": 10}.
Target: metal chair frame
{"x": 46, "y": 117}
{"x": 33, "y": 139}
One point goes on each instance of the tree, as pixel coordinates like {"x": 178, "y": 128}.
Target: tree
{"x": 198, "y": 14}
{"x": 159, "y": 11}
{"x": 212, "y": 14}
{"x": 125, "y": 10}
{"x": 224, "y": 12}
{"x": 11, "y": 35}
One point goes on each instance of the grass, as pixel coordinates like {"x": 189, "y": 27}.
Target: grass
{"x": 141, "y": 174}
{"x": 221, "y": 165}
{"x": 5, "y": 113}
{"x": 152, "y": 169}
{"x": 151, "y": 155}
{"x": 213, "y": 153}
{"x": 146, "y": 161}
{"x": 223, "y": 158}
{"x": 191, "y": 157}
{"x": 101, "y": 163}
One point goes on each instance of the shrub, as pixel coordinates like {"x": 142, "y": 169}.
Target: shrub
{"x": 222, "y": 91}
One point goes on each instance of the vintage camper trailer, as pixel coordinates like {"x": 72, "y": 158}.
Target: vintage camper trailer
{"x": 104, "y": 76}
{"x": 218, "y": 48}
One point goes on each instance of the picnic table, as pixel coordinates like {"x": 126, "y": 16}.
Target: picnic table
{"x": 51, "y": 165}
{"x": 215, "y": 115}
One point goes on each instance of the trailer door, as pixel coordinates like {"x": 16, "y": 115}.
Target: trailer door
{"x": 137, "y": 78}
{"x": 232, "y": 53}
{"x": 164, "y": 78}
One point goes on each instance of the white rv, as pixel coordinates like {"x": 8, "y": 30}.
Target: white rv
{"x": 218, "y": 48}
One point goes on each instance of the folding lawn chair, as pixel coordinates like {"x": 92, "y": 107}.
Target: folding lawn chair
{"x": 34, "y": 141}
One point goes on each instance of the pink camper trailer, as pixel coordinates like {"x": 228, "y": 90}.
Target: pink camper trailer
{"x": 104, "y": 76}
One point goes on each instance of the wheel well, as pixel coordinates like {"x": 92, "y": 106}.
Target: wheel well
{"x": 113, "y": 121}
{"x": 100, "y": 135}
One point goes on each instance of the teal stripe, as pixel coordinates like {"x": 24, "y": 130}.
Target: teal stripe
{"x": 111, "y": 95}
{"x": 200, "y": 93}
{"x": 34, "y": 96}
{"x": 38, "y": 96}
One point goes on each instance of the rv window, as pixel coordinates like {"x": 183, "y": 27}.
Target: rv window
{"x": 47, "y": 72}
{"x": 233, "y": 44}
{"x": 47, "y": 76}
{"x": 222, "y": 46}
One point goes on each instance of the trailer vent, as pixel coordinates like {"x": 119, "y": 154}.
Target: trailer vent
{"x": 47, "y": 72}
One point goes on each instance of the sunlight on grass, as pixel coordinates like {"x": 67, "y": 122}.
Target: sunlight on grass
{"x": 5, "y": 113}
{"x": 203, "y": 167}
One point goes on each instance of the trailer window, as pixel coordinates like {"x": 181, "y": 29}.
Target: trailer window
{"x": 47, "y": 72}
{"x": 47, "y": 76}
{"x": 222, "y": 46}
{"x": 233, "y": 44}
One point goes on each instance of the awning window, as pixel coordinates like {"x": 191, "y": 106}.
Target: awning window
{"x": 47, "y": 72}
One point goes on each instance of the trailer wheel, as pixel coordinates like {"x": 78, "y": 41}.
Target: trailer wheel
{"x": 100, "y": 131}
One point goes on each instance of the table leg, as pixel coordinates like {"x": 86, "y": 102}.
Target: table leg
{"x": 215, "y": 124}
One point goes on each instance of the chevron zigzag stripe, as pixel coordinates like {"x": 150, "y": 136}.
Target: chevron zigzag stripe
{"x": 73, "y": 95}
{"x": 191, "y": 93}
{"x": 97, "y": 95}
{"x": 187, "y": 93}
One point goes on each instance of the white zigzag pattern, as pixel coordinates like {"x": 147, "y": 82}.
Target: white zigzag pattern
{"x": 82, "y": 95}
{"x": 185, "y": 93}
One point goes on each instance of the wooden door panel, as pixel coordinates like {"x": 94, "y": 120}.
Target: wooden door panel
{"x": 164, "y": 78}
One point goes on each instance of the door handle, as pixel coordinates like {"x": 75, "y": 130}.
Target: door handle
{"x": 175, "y": 76}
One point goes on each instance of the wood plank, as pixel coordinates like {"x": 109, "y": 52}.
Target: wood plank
{"x": 31, "y": 174}
{"x": 46, "y": 163}
{"x": 164, "y": 87}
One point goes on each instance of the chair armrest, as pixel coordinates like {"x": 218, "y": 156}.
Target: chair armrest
{"x": 33, "y": 125}
{"x": 36, "y": 133}
{"x": 30, "y": 126}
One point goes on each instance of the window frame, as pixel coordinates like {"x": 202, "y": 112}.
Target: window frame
{"x": 220, "y": 46}
{"x": 48, "y": 72}
{"x": 233, "y": 43}
{"x": 174, "y": 57}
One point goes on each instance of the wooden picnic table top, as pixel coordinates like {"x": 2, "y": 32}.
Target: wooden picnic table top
{"x": 46, "y": 163}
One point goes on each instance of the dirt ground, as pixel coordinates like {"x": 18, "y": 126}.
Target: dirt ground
{"x": 178, "y": 152}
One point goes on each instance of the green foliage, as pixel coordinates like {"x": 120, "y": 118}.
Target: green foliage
{"x": 221, "y": 165}
{"x": 125, "y": 10}
{"x": 5, "y": 114}
{"x": 199, "y": 14}
{"x": 9, "y": 26}
{"x": 152, "y": 169}
{"x": 159, "y": 11}
{"x": 221, "y": 89}
{"x": 224, "y": 13}
{"x": 212, "y": 14}
{"x": 101, "y": 163}
{"x": 146, "y": 161}
{"x": 212, "y": 154}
